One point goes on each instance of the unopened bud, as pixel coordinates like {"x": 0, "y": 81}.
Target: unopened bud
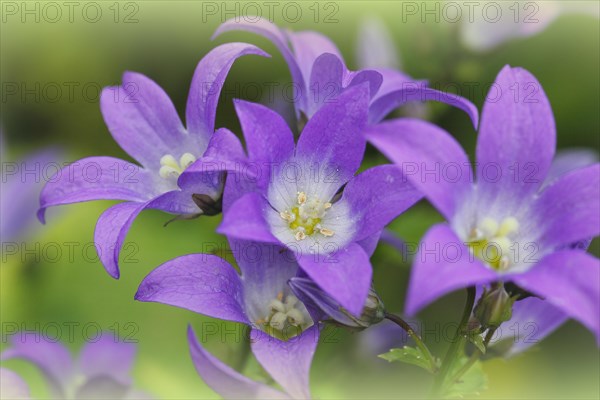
{"x": 494, "y": 307}
{"x": 373, "y": 312}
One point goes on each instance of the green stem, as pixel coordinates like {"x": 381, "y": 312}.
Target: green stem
{"x": 420, "y": 344}
{"x": 475, "y": 356}
{"x": 456, "y": 345}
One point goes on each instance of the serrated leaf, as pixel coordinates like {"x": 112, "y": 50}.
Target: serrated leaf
{"x": 477, "y": 340}
{"x": 472, "y": 383}
{"x": 408, "y": 355}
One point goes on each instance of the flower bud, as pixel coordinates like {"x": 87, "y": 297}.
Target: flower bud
{"x": 373, "y": 312}
{"x": 494, "y": 307}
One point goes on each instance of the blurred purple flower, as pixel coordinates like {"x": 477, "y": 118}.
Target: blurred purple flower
{"x": 143, "y": 120}
{"x": 102, "y": 369}
{"x": 284, "y": 333}
{"x": 307, "y": 198}
{"x": 20, "y": 188}
{"x": 376, "y": 50}
{"x": 12, "y": 386}
{"x": 320, "y": 75}
{"x": 517, "y": 232}
{"x": 511, "y": 20}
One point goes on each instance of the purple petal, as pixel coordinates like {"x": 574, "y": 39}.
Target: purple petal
{"x": 310, "y": 292}
{"x": 442, "y": 264}
{"x": 107, "y": 356}
{"x": 51, "y": 357}
{"x": 517, "y": 137}
{"x": 570, "y": 160}
{"x": 569, "y": 280}
{"x": 416, "y": 91}
{"x": 568, "y": 208}
{"x": 378, "y": 195}
{"x": 142, "y": 119}
{"x": 268, "y": 137}
{"x": 332, "y": 137}
{"x": 245, "y": 220}
{"x": 287, "y": 362}
{"x": 202, "y": 283}
{"x": 308, "y": 46}
{"x": 532, "y": 320}
{"x": 206, "y": 87}
{"x": 325, "y": 82}
{"x": 96, "y": 178}
{"x": 225, "y": 380}
{"x": 370, "y": 243}
{"x": 111, "y": 229}
{"x": 429, "y": 157}
{"x": 372, "y": 77}
{"x": 181, "y": 202}
{"x": 345, "y": 275}
{"x": 12, "y": 386}
{"x": 270, "y": 31}
{"x": 224, "y": 153}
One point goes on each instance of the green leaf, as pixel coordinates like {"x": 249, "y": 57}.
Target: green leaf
{"x": 408, "y": 355}
{"x": 472, "y": 383}
{"x": 477, "y": 340}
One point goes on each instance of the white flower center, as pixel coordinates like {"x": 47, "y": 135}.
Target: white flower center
{"x": 305, "y": 217}
{"x": 170, "y": 168}
{"x": 285, "y": 317}
{"x": 492, "y": 241}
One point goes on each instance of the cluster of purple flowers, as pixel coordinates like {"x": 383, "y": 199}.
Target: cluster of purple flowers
{"x": 302, "y": 223}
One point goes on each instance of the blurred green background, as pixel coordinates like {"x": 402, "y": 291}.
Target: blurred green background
{"x": 165, "y": 40}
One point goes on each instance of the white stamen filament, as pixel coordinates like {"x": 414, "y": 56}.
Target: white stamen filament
{"x": 170, "y": 168}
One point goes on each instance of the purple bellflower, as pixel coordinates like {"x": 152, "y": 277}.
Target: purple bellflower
{"x": 483, "y": 34}
{"x": 143, "y": 120}
{"x": 307, "y": 198}
{"x": 102, "y": 370}
{"x": 284, "y": 332}
{"x": 502, "y": 227}
{"x": 320, "y": 75}
{"x": 533, "y": 318}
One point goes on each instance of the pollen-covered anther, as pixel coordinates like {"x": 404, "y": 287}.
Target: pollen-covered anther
{"x": 287, "y": 216}
{"x": 301, "y": 198}
{"x": 326, "y": 232}
{"x": 300, "y": 235}
{"x": 170, "y": 168}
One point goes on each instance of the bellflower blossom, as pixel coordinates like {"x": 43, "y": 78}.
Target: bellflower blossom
{"x": 320, "y": 74}
{"x": 284, "y": 333}
{"x": 143, "y": 120}
{"x": 307, "y": 198}
{"x": 503, "y": 227}
{"x": 533, "y": 318}
{"x": 102, "y": 370}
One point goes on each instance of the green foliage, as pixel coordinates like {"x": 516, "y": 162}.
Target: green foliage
{"x": 408, "y": 355}
{"x": 471, "y": 383}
